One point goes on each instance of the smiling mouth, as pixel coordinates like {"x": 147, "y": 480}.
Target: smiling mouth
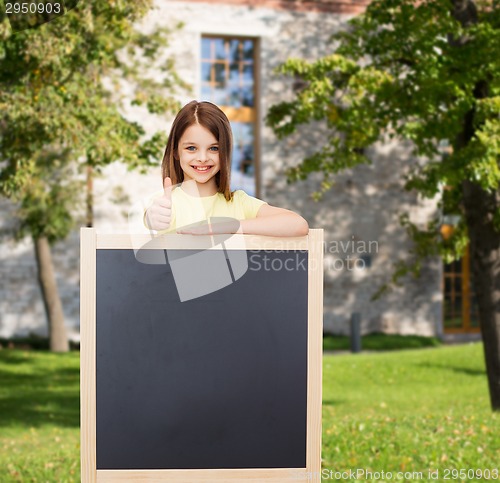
{"x": 202, "y": 169}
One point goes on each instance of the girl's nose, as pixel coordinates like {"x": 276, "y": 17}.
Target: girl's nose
{"x": 204, "y": 157}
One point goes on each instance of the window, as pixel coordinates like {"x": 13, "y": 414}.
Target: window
{"x": 460, "y": 312}
{"x": 228, "y": 80}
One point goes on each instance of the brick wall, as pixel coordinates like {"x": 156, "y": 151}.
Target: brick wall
{"x": 327, "y": 6}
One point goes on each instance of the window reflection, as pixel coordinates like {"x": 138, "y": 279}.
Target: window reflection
{"x": 228, "y": 64}
{"x": 242, "y": 166}
{"x": 228, "y": 80}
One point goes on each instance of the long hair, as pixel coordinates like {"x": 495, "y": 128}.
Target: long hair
{"x": 212, "y": 118}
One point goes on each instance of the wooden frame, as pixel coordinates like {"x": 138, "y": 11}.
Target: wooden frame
{"x": 90, "y": 243}
{"x": 465, "y": 292}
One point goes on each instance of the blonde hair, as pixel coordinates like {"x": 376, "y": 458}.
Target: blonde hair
{"x": 212, "y": 118}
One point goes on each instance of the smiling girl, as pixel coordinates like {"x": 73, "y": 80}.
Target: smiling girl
{"x": 197, "y": 160}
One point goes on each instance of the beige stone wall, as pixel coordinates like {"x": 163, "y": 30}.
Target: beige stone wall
{"x": 362, "y": 207}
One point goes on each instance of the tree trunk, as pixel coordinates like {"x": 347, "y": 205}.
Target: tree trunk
{"x": 90, "y": 196}
{"x": 53, "y": 307}
{"x": 480, "y": 208}
{"x": 485, "y": 256}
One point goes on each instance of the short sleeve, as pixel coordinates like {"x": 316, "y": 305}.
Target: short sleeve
{"x": 250, "y": 204}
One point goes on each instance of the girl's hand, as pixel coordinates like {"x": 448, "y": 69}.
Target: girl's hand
{"x": 196, "y": 230}
{"x": 159, "y": 214}
{"x": 274, "y": 221}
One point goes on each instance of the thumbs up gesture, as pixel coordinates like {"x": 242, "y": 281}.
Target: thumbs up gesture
{"x": 159, "y": 214}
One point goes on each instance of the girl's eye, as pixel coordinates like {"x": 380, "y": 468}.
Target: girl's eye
{"x": 193, "y": 148}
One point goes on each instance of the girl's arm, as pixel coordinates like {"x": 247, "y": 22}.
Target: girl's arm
{"x": 274, "y": 221}
{"x": 270, "y": 221}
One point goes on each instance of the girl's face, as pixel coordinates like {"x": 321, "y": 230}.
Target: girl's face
{"x": 198, "y": 152}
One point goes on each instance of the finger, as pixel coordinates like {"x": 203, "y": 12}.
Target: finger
{"x": 163, "y": 218}
{"x": 158, "y": 225}
{"x": 198, "y": 231}
{"x": 167, "y": 188}
{"x": 162, "y": 226}
{"x": 165, "y": 202}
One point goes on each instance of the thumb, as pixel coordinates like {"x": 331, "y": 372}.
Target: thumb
{"x": 167, "y": 187}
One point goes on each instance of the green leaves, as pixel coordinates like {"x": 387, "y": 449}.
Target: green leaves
{"x": 61, "y": 92}
{"x": 406, "y": 70}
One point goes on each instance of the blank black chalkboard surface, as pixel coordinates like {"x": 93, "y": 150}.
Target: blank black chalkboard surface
{"x": 201, "y": 358}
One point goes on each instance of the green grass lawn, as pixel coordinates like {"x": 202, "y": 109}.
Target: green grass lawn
{"x": 411, "y": 410}
{"x": 407, "y": 411}
{"x": 380, "y": 342}
{"x": 39, "y": 416}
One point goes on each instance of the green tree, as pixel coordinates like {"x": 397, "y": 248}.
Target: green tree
{"x": 427, "y": 72}
{"x": 61, "y": 117}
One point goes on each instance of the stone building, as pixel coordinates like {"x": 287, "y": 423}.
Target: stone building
{"x": 227, "y": 50}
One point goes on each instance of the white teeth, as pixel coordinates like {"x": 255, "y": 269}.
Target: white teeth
{"x": 202, "y": 168}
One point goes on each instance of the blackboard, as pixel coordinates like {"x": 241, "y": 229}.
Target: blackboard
{"x": 219, "y": 383}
